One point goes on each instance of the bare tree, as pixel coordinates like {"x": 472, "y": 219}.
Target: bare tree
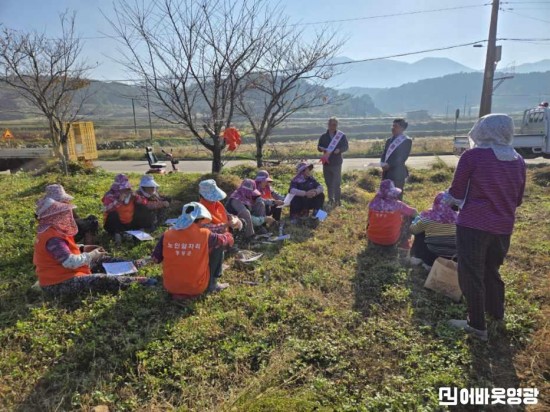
{"x": 49, "y": 74}
{"x": 193, "y": 56}
{"x": 288, "y": 80}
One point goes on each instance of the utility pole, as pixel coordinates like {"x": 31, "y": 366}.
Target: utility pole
{"x": 490, "y": 62}
{"x": 135, "y": 124}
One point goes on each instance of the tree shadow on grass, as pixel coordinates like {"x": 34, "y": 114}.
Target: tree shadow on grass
{"x": 106, "y": 347}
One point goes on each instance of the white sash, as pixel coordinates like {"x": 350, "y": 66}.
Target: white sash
{"x": 395, "y": 144}
{"x": 335, "y": 140}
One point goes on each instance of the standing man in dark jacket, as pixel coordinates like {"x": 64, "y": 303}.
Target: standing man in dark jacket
{"x": 333, "y": 143}
{"x": 396, "y": 152}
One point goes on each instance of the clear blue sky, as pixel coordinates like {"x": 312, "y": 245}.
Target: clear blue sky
{"x": 366, "y": 38}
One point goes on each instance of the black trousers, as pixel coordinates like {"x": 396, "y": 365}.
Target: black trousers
{"x": 301, "y": 205}
{"x": 480, "y": 255}
{"x": 421, "y": 251}
{"x": 274, "y": 211}
{"x": 143, "y": 218}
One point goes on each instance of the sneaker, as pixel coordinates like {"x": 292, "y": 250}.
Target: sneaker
{"x": 414, "y": 261}
{"x": 463, "y": 324}
{"x": 118, "y": 239}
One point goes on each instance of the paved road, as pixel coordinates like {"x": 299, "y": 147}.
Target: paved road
{"x": 204, "y": 166}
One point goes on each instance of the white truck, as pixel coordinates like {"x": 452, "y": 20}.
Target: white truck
{"x": 533, "y": 139}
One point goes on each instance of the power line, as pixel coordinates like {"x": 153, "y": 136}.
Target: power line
{"x": 524, "y": 15}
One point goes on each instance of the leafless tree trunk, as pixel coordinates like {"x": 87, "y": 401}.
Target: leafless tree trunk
{"x": 288, "y": 80}
{"x": 194, "y": 56}
{"x": 48, "y": 73}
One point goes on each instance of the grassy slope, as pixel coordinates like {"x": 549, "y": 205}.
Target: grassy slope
{"x": 331, "y": 325}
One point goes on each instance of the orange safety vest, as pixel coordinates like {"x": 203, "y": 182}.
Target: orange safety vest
{"x": 125, "y": 212}
{"x": 384, "y": 227}
{"x": 266, "y": 192}
{"x": 49, "y": 270}
{"x": 217, "y": 210}
{"x": 185, "y": 263}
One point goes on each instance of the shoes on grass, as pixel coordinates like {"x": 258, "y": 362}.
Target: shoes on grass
{"x": 463, "y": 324}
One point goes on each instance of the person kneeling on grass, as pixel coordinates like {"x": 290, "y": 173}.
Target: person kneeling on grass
{"x": 87, "y": 227}
{"x": 434, "y": 233}
{"x": 246, "y": 203}
{"x": 62, "y": 266}
{"x": 307, "y": 191}
{"x": 155, "y": 204}
{"x": 222, "y": 222}
{"x": 386, "y": 224}
{"x": 184, "y": 251}
{"x": 270, "y": 198}
{"x": 122, "y": 209}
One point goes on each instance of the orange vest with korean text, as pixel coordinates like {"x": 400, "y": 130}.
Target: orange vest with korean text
{"x": 384, "y": 227}
{"x": 185, "y": 264}
{"x": 49, "y": 270}
{"x": 217, "y": 210}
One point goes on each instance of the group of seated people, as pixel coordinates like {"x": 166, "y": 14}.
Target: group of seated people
{"x": 391, "y": 222}
{"x": 195, "y": 242}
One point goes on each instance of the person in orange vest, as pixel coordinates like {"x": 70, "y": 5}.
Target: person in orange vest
{"x": 222, "y": 222}
{"x": 386, "y": 225}
{"x": 123, "y": 210}
{"x": 62, "y": 266}
{"x": 184, "y": 251}
{"x": 270, "y": 198}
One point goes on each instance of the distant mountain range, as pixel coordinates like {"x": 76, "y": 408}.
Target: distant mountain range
{"x": 392, "y": 73}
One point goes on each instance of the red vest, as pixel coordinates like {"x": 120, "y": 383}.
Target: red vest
{"x": 185, "y": 264}
{"x": 384, "y": 227}
{"x": 49, "y": 270}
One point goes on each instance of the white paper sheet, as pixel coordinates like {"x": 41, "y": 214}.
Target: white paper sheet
{"x": 288, "y": 199}
{"x": 321, "y": 215}
{"x": 140, "y": 234}
{"x": 119, "y": 268}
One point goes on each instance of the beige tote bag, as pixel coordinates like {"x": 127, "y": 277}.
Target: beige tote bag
{"x": 443, "y": 278}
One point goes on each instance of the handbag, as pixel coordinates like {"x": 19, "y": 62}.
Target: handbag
{"x": 443, "y": 278}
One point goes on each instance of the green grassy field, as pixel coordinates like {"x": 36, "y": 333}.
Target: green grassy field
{"x": 331, "y": 325}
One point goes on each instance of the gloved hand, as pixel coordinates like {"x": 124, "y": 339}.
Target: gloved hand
{"x": 97, "y": 254}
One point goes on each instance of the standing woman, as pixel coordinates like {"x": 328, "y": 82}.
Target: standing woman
{"x": 396, "y": 152}
{"x": 488, "y": 186}
{"x": 333, "y": 143}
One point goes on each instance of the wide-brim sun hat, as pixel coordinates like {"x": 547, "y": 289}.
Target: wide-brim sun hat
{"x": 250, "y": 185}
{"x": 148, "y": 181}
{"x": 57, "y": 193}
{"x": 210, "y": 191}
{"x": 300, "y": 167}
{"x": 49, "y": 207}
{"x": 191, "y": 212}
{"x": 263, "y": 176}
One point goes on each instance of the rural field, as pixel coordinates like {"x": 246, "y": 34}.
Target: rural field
{"x": 320, "y": 323}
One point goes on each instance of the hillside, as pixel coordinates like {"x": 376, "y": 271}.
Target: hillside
{"x": 517, "y": 94}
{"x": 393, "y": 73}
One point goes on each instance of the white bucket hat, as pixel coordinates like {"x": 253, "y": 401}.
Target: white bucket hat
{"x": 148, "y": 181}
{"x": 210, "y": 191}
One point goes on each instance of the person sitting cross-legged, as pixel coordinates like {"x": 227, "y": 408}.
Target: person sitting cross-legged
{"x": 307, "y": 191}
{"x": 222, "y": 222}
{"x": 386, "y": 225}
{"x": 62, "y": 266}
{"x": 434, "y": 233}
{"x": 270, "y": 198}
{"x": 184, "y": 251}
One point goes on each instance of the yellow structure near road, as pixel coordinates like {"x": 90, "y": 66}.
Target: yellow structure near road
{"x": 81, "y": 141}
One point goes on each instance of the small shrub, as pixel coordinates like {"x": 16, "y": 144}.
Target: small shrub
{"x": 368, "y": 182}
{"x": 441, "y": 177}
{"x": 439, "y": 164}
{"x": 414, "y": 177}
{"x": 542, "y": 177}
{"x": 375, "y": 172}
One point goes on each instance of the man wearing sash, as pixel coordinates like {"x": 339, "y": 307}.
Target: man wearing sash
{"x": 396, "y": 152}
{"x": 333, "y": 143}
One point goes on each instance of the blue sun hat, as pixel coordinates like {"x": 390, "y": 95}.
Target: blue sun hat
{"x": 191, "y": 212}
{"x": 210, "y": 191}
